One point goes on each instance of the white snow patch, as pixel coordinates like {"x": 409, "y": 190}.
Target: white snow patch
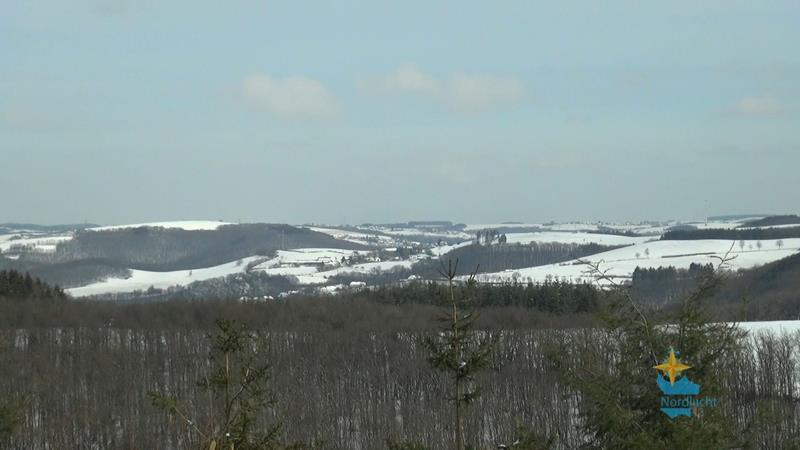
{"x": 406, "y": 232}
{"x": 143, "y": 279}
{"x": 365, "y": 268}
{"x": 189, "y": 225}
{"x": 444, "y": 249}
{"x": 574, "y": 226}
{"x": 771, "y": 327}
{"x": 575, "y": 238}
{"x": 354, "y": 236}
{"x": 46, "y": 243}
{"x": 499, "y": 226}
{"x": 311, "y": 256}
{"x": 621, "y": 262}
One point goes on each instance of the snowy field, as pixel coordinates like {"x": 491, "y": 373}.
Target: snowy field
{"x": 303, "y": 264}
{"x": 441, "y": 250}
{"x": 500, "y": 226}
{"x": 365, "y": 268}
{"x": 621, "y": 262}
{"x": 45, "y": 244}
{"x": 566, "y": 226}
{"x": 181, "y": 224}
{"x": 422, "y": 231}
{"x": 143, "y": 279}
{"x": 355, "y": 236}
{"x": 573, "y": 226}
{"x": 290, "y": 259}
{"x": 772, "y": 327}
{"x": 300, "y": 264}
{"x": 574, "y": 238}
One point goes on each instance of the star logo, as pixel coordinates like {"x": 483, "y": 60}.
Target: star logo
{"x": 672, "y": 367}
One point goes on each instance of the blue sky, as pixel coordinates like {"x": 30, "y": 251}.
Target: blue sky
{"x": 116, "y": 111}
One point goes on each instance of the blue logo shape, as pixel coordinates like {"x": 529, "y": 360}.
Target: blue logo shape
{"x": 679, "y": 392}
{"x": 675, "y": 412}
{"x": 678, "y": 398}
{"x": 684, "y": 386}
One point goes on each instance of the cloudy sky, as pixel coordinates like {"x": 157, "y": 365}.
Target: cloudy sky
{"x": 115, "y": 111}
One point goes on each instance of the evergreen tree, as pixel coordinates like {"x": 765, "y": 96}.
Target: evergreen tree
{"x": 16, "y": 286}
{"x": 459, "y": 351}
{"x": 237, "y": 384}
{"x": 619, "y": 397}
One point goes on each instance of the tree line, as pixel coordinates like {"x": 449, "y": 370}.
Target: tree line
{"x": 502, "y": 256}
{"x": 754, "y": 234}
{"x": 19, "y": 287}
{"x": 771, "y": 221}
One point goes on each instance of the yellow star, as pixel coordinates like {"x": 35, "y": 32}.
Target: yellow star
{"x": 672, "y": 367}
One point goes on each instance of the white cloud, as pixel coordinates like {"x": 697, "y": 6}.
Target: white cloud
{"x": 291, "y": 97}
{"x": 408, "y": 78}
{"x": 468, "y": 93}
{"x": 758, "y": 106}
{"x": 464, "y": 93}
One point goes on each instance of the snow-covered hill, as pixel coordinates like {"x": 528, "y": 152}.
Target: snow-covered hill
{"x": 388, "y": 247}
{"x": 142, "y": 279}
{"x": 181, "y": 224}
{"x": 621, "y": 263}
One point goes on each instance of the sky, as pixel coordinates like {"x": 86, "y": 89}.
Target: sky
{"x": 124, "y": 111}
